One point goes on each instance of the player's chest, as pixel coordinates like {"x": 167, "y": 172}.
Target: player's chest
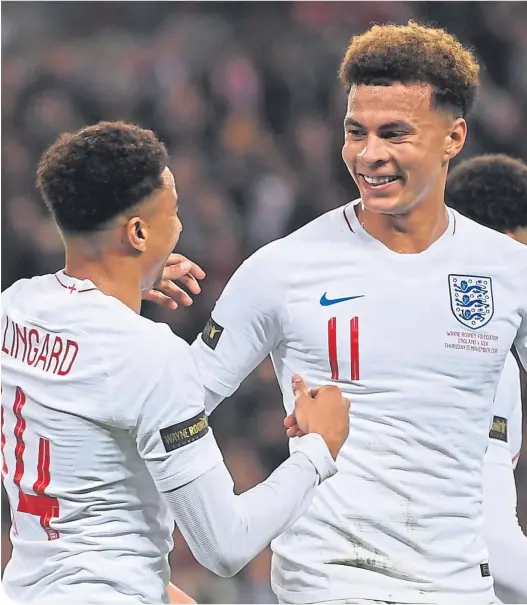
{"x": 352, "y": 322}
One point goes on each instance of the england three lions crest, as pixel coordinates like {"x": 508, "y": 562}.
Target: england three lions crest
{"x": 471, "y": 299}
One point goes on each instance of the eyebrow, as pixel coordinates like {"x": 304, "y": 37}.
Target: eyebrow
{"x": 388, "y": 126}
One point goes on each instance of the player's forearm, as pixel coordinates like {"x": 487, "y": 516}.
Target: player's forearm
{"x": 225, "y": 531}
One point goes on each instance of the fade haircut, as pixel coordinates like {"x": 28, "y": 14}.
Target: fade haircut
{"x": 414, "y": 54}
{"x": 89, "y": 177}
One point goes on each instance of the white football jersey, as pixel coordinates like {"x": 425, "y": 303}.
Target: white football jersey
{"x": 101, "y": 410}
{"x": 417, "y": 342}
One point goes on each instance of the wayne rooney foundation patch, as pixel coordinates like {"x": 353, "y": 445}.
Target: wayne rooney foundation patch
{"x": 185, "y": 432}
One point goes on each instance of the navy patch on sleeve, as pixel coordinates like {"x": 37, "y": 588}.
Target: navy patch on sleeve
{"x": 185, "y": 432}
{"x": 499, "y": 428}
{"x": 211, "y": 333}
{"x": 485, "y": 570}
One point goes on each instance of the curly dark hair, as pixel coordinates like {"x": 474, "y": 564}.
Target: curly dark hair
{"x": 491, "y": 190}
{"x": 411, "y": 54}
{"x": 90, "y": 176}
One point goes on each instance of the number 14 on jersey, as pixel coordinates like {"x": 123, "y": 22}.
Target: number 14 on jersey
{"x": 39, "y": 504}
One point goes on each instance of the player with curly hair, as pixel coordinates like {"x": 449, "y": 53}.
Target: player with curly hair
{"x": 411, "y": 309}
{"x": 105, "y": 441}
{"x": 492, "y": 190}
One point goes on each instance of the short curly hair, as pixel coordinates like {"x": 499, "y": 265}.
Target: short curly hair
{"x": 90, "y": 176}
{"x": 411, "y": 54}
{"x": 491, "y": 190}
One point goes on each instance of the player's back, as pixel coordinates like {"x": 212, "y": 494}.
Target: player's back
{"x": 77, "y": 365}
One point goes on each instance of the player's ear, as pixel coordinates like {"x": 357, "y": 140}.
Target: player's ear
{"x": 455, "y": 139}
{"x": 137, "y": 232}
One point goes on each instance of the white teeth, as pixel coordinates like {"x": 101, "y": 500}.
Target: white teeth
{"x": 379, "y": 180}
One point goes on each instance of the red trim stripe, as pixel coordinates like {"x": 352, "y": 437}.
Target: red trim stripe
{"x": 70, "y": 288}
{"x": 354, "y": 347}
{"x": 332, "y": 346}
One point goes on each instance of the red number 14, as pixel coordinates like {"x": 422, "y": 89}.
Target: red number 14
{"x": 39, "y": 504}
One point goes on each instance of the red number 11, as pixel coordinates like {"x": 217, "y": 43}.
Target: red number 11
{"x": 353, "y": 348}
{"x": 38, "y": 504}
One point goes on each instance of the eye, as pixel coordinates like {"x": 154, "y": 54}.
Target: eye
{"x": 395, "y": 134}
{"x": 354, "y": 132}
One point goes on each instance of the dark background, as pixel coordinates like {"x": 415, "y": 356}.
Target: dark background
{"x": 247, "y": 99}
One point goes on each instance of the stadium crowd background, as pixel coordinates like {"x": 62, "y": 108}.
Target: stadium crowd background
{"x": 246, "y": 97}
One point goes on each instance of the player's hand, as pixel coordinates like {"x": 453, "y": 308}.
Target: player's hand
{"x": 166, "y": 292}
{"x": 176, "y": 595}
{"x": 290, "y": 423}
{"x": 324, "y": 411}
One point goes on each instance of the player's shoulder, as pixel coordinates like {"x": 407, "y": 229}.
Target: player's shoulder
{"x": 22, "y": 287}
{"x": 508, "y": 392}
{"x": 306, "y": 240}
{"x": 489, "y": 242}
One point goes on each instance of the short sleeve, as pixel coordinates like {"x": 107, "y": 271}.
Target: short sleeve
{"x": 172, "y": 433}
{"x": 244, "y": 326}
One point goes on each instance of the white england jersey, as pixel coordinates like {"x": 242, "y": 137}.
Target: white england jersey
{"x": 99, "y": 406}
{"x": 417, "y": 342}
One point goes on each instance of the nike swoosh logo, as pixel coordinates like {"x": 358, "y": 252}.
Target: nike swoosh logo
{"x": 326, "y": 302}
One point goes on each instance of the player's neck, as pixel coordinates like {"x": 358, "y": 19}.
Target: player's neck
{"x": 113, "y": 277}
{"x": 409, "y": 233}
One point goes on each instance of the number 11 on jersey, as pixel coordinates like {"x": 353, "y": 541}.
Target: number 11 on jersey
{"x": 353, "y": 348}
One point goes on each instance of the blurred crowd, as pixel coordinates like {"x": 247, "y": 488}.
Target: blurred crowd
{"x": 246, "y": 97}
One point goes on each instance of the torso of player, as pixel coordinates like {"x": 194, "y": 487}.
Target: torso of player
{"x": 83, "y": 503}
{"x": 417, "y": 343}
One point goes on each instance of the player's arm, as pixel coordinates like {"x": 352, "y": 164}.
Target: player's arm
{"x": 224, "y": 530}
{"x": 244, "y": 327}
{"x": 505, "y": 540}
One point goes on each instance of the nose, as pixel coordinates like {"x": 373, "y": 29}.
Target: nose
{"x": 374, "y": 152}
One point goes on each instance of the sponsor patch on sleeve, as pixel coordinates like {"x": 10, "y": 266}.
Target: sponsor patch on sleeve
{"x": 185, "y": 432}
{"x": 499, "y": 428}
{"x": 211, "y": 333}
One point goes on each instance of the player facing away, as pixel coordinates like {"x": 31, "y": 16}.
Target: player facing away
{"x": 411, "y": 309}
{"x": 105, "y": 440}
{"x": 492, "y": 190}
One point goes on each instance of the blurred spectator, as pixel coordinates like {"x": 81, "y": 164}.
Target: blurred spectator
{"x": 246, "y": 97}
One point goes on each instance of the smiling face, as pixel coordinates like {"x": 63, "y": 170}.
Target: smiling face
{"x": 397, "y": 146}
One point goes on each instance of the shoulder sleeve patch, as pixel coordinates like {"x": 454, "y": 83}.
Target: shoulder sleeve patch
{"x": 499, "y": 428}
{"x": 211, "y": 333}
{"x": 185, "y": 432}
